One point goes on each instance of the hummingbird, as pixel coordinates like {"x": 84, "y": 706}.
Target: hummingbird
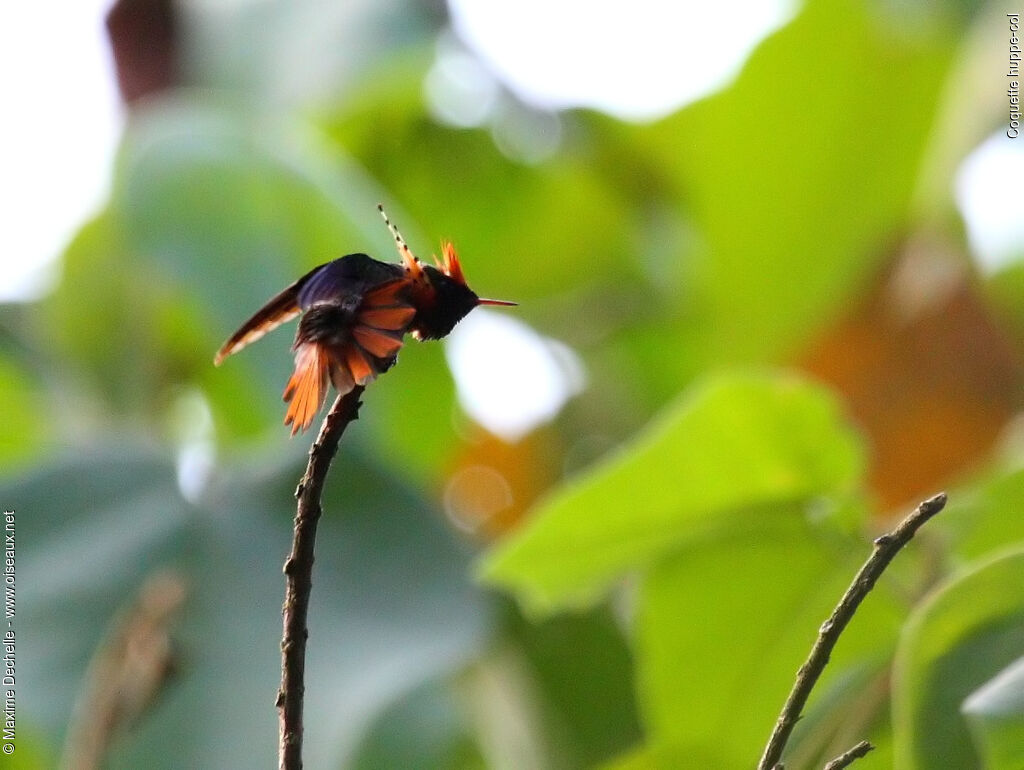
{"x": 356, "y": 311}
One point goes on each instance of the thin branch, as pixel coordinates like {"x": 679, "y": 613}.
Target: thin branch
{"x": 298, "y": 570}
{"x": 128, "y": 672}
{"x": 886, "y": 548}
{"x": 848, "y": 757}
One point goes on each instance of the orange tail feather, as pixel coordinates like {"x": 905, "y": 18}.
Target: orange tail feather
{"x": 307, "y": 388}
{"x": 362, "y": 371}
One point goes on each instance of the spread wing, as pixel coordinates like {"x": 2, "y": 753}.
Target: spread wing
{"x": 279, "y": 309}
{"x": 333, "y": 282}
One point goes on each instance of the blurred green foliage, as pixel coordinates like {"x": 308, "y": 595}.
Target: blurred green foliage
{"x": 652, "y": 610}
{"x": 957, "y": 640}
{"x": 993, "y": 712}
{"x": 731, "y": 444}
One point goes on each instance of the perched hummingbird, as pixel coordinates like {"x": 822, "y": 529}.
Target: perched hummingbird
{"x": 355, "y": 312}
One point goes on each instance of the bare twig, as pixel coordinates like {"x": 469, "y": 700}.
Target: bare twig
{"x": 886, "y": 548}
{"x": 298, "y": 570}
{"x": 847, "y": 757}
{"x": 128, "y": 672}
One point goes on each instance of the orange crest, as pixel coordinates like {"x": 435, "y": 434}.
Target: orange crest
{"x": 451, "y": 266}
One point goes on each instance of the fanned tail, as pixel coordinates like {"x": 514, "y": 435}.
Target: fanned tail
{"x": 307, "y": 388}
{"x": 376, "y": 335}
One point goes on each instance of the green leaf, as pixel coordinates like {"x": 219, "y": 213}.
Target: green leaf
{"x": 796, "y": 183}
{"x": 29, "y": 753}
{"x": 25, "y": 420}
{"x": 731, "y": 442}
{"x": 658, "y": 757}
{"x": 571, "y": 676}
{"x": 985, "y": 517}
{"x": 995, "y": 713}
{"x": 428, "y": 729}
{"x": 1005, "y": 290}
{"x": 723, "y": 625}
{"x": 582, "y": 673}
{"x": 955, "y": 642}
